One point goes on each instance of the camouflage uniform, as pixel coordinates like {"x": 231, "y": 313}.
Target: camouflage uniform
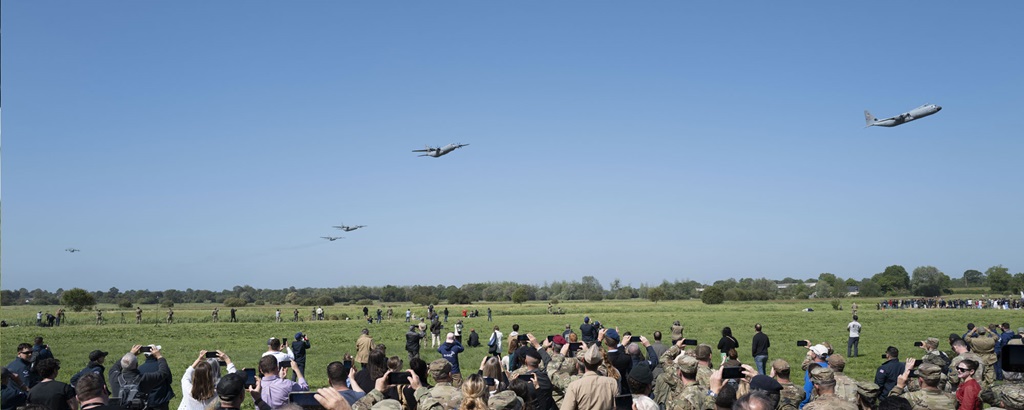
{"x": 692, "y": 397}
{"x": 830, "y": 402}
{"x": 503, "y": 400}
{"x": 926, "y": 398}
{"x": 704, "y": 376}
{"x": 984, "y": 346}
{"x": 790, "y": 397}
{"x": 667, "y": 384}
{"x": 375, "y": 400}
{"x": 953, "y": 381}
{"x": 848, "y": 388}
{"x": 1011, "y": 394}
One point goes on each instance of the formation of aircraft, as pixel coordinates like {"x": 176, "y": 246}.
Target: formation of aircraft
{"x": 439, "y": 151}
{"x": 349, "y": 228}
{"x": 919, "y": 112}
{"x": 72, "y": 250}
{"x": 332, "y": 238}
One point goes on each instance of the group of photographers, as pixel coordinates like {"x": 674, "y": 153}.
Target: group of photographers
{"x": 611, "y": 370}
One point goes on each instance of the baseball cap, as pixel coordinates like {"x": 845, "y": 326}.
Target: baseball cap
{"x": 822, "y": 375}
{"x": 230, "y": 387}
{"x": 837, "y": 361}
{"x": 97, "y": 355}
{"x": 298, "y": 336}
{"x": 780, "y": 365}
{"x": 505, "y": 400}
{"x": 819, "y": 350}
{"x": 439, "y": 368}
{"x": 687, "y": 364}
{"x": 929, "y": 371}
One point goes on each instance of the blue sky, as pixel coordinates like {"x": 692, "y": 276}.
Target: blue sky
{"x": 210, "y": 144}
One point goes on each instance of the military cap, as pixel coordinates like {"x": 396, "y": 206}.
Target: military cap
{"x": 837, "y": 361}
{"x": 822, "y": 375}
{"x": 439, "y": 368}
{"x": 532, "y": 352}
{"x": 505, "y": 400}
{"x": 780, "y": 365}
{"x": 932, "y": 341}
{"x": 929, "y": 371}
{"x": 592, "y": 356}
{"x": 389, "y": 404}
{"x": 612, "y": 334}
{"x": 558, "y": 340}
{"x": 687, "y": 364}
{"x": 642, "y": 374}
{"x": 868, "y": 389}
{"x": 1020, "y": 330}
{"x": 768, "y": 384}
{"x": 981, "y": 330}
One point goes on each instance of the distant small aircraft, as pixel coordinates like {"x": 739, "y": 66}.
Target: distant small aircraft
{"x": 349, "y": 228}
{"x": 72, "y": 250}
{"x": 332, "y": 238}
{"x": 919, "y": 112}
{"x": 439, "y": 151}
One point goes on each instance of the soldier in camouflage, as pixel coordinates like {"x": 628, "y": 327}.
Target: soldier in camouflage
{"x": 960, "y": 348}
{"x": 984, "y": 345}
{"x": 1009, "y": 395}
{"x": 937, "y": 357}
{"x": 862, "y": 394}
{"x": 929, "y": 397}
{"x": 824, "y": 382}
{"x": 443, "y": 391}
{"x": 705, "y": 369}
{"x": 790, "y": 396}
{"x": 691, "y": 396}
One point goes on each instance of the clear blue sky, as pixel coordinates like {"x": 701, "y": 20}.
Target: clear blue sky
{"x": 210, "y": 144}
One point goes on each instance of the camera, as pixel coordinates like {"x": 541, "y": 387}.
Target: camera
{"x": 801, "y": 343}
{"x": 918, "y": 344}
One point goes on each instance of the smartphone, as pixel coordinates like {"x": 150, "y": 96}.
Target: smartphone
{"x": 526, "y": 377}
{"x": 490, "y": 381}
{"x": 575, "y": 346}
{"x": 212, "y": 354}
{"x": 145, "y": 349}
{"x": 250, "y": 377}
{"x": 801, "y": 343}
{"x": 885, "y": 356}
{"x": 634, "y": 339}
{"x": 1013, "y": 358}
{"x": 348, "y": 366}
{"x": 285, "y": 363}
{"x": 918, "y": 344}
{"x": 305, "y": 399}
{"x": 523, "y": 338}
{"x": 398, "y": 378}
{"x": 551, "y": 339}
{"x": 690, "y": 342}
{"x": 732, "y": 372}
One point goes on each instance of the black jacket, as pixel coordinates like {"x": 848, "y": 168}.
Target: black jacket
{"x": 412, "y": 341}
{"x": 299, "y": 350}
{"x": 92, "y": 367}
{"x": 887, "y": 373}
{"x": 760, "y": 345}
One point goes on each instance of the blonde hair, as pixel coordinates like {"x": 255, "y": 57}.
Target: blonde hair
{"x": 474, "y": 393}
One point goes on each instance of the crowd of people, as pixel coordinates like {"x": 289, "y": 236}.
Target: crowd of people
{"x": 596, "y": 367}
{"x": 941, "y": 303}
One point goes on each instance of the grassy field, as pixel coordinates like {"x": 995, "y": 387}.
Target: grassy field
{"x": 784, "y": 322}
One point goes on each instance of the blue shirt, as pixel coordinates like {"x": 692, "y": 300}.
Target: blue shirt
{"x": 450, "y": 351}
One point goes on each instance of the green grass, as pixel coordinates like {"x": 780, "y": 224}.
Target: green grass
{"x": 783, "y": 321}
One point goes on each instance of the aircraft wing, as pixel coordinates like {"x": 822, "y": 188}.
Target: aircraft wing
{"x": 422, "y": 150}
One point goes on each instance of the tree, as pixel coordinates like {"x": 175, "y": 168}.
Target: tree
{"x": 999, "y": 278}
{"x": 458, "y": 297}
{"x": 929, "y": 281}
{"x": 77, "y": 299}
{"x": 712, "y": 295}
{"x": 869, "y": 288}
{"x": 893, "y": 279}
{"x": 656, "y": 294}
{"x": 520, "y": 295}
{"x": 973, "y": 278}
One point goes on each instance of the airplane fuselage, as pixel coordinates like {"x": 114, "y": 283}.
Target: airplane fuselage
{"x": 916, "y": 113}
{"x": 437, "y": 152}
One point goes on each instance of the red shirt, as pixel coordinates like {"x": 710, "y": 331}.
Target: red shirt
{"x": 967, "y": 395}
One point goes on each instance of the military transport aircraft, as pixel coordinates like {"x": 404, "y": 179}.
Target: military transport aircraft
{"x": 439, "y": 151}
{"x": 72, "y": 250}
{"x": 349, "y": 228}
{"x": 332, "y": 238}
{"x": 919, "y": 112}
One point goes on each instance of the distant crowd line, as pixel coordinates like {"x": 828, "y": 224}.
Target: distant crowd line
{"x": 940, "y": 303}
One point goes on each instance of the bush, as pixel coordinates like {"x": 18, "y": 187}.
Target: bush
{"x": 363, "y": 302}
{"x": 553, "y": 301}
{"x": 76, "y": 299}
{"x": 167, "y": 303}
{"x": 235, "y": 302}
{"x": 259, "y": 303}
{"x": 125, "y": 303}
{"x": 424, "y": 300}
{"x": 712, "y": 296}
{"x": 837, "y": 304}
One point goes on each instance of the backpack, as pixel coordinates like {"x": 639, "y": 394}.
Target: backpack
{"x": 130, "y": 396}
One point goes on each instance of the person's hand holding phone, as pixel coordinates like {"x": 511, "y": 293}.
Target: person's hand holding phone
{"x": 381, "y": 384}
{"x": 330, "y": 399}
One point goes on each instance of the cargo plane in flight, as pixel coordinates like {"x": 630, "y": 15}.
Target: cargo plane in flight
{"x": 439, "y": 151}
{"x": 919, "y": 112}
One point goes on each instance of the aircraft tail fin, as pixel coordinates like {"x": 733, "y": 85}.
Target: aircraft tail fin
{"x": 869, "y": 119}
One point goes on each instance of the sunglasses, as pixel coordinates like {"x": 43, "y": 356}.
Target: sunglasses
{"x": 961, "y": 369}
{"x": 28, "y": 352}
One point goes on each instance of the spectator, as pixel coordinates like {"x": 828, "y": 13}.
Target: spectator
{"x": 967, "y": 394}
{"x": 435, "y": 332}
{"x": 274, "y": 349}
{"x": 818, "y": 354}
{"x": 539, "y": 386}
{"x": 376, "y": 366}
{"x": 21, "y": 367}
{"x": 275, "y": 388}
{"x": 853, "y": 343}
{"x": 10, "y": 397}
{"x": 474, "y": 338}
{"x": 491, "y": 367}
{"x": 677, "y": 332}
{"x": 824, "y": 383}
{"x": 91, "y": 392}
{"x": 363, "y": 346}
{"x": 231, "y": 392}
{"x": 727, "y": 342}
{"x": 299, "y": 347}
{"x": 929, "y": 396}
{"x": 889, "y": 371}
{"x": 161, "y": 395}
{"x": 198, "y": 384}
{"x": 759, "y": 349}
{"x": 412, "y": 342}
{"x": 49, "y": 392}
{"x": 494, "y": 343}
{"x": 443, "y": 391}
{"x": 593, "y": 391}
{"x": 127, "y": 371}
{"x": 450, "y": 351}
{"x": 474, "y": 393}
{"x": 588, "y": 331}
{"x": 639, "y": 380}
{"x": 96, "y": 358}
{"x": 337, "y": 376}
{"x": 790, "y": 396}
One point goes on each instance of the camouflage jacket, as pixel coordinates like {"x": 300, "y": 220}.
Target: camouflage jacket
{"x": 926, "y": 399}
{"x": 690, "y": 397}
{"x": 790, "y": 397}
{"x": 830, "y": 402}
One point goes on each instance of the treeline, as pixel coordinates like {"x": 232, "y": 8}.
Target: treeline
{"x": 926, "y": 281}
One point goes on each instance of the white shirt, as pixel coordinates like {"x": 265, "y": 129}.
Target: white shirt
{"x": 187, "y": 401}
{"x": 854, "y": 327}
{"x": 281, "y": 356}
